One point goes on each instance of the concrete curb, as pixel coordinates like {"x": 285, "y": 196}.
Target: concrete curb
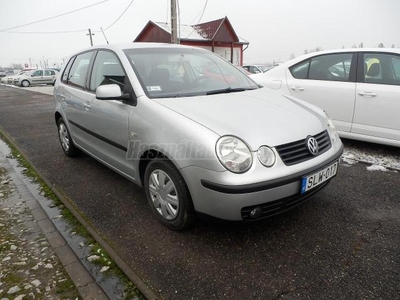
{"x": 144, "y": 289}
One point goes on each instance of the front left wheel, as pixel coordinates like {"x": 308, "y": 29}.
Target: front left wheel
{"x": 25, "y": 83}
{"x": 168, "y": 195}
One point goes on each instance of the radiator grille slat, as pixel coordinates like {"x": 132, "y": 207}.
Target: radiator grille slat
{"x": 297, "y": 152}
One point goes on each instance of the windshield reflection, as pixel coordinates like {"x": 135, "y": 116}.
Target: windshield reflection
{"x": 185, "y": 72}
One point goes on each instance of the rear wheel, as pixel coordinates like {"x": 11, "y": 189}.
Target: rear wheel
{"x": 25, "y": 83}
{"x": 168, "y": 195}
{"x": 65, "y": 139}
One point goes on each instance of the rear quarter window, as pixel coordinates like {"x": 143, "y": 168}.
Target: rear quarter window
{"x": 300, "y": 71}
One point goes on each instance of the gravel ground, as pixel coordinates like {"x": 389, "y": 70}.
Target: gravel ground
{"x": 29, "y": 268}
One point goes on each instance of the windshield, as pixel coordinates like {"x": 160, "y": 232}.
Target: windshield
{"x": 183, "y": 72}
{"x": 264, "y": 68}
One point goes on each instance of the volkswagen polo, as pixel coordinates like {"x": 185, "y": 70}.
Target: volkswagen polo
{"x": 199, "y": 142}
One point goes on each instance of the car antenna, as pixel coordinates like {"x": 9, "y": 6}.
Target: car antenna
{"x": 104, "y": 35}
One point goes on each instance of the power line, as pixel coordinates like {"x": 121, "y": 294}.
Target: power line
{"x": 44, "y": 32}
{"x": 119, "y": 16}
{"x": 57, "y": 16}
{"x": 179, "y": 21}
{"x": 202, "y": 13}
{"x": 166, "y": 20}
{"x": 66, "y": 31}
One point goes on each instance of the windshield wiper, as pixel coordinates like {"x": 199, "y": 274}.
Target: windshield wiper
{"x": 228, "y": 90}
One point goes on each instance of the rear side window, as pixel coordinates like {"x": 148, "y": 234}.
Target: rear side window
{"x": 300, "y": 71}
{"x": 79, "y": 69}
{"x": 382, "y": 68}
{"x": 330, "y": 67}
{"x": 396, "y": 66}
{"x": 48, "y": 73}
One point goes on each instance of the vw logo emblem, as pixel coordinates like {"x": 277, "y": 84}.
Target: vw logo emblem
{"x": 312, "y": 145}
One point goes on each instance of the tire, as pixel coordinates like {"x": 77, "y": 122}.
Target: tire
{"x": 177, "y": 212}
{"x": 65, "y": 139}
{"x": 25, "y": 83}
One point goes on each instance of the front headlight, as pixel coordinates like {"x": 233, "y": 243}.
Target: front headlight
{"x": 331, "y": 127}
{"x": 234, "y": 154}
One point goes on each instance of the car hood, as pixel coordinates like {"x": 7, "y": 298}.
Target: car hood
{"x": 258, "y": 117}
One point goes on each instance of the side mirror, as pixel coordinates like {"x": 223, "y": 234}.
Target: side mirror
{"x": 33, "y": 75}
{"x": 109, "y": 92}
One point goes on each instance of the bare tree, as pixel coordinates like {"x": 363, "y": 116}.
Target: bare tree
{"x": 393, "y": 46}
{"x": 381, "y": 45}
{"x": 354, "y": 46}
{"x": 16, "y": 66}
{"x": 292, "y": 56}
{"x": 361, "y": 45}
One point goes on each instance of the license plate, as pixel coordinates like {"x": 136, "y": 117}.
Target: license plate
{"x": 318, "y": 178}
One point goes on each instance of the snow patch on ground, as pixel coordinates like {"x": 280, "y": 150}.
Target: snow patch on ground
{"x": 380, "y": 158}
{"x": 377, "y": 168}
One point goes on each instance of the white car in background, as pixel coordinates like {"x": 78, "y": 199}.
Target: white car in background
{"x": 256, "y": 69}
{"x": 7, "y": 79}
{"x": 358, "y": 88}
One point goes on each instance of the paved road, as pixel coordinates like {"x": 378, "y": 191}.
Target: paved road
{"x": 343, "y": 244}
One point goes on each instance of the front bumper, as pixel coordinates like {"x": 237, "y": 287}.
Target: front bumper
{"x": 235, "y": 201}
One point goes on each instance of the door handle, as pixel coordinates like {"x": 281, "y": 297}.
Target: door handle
{"x": 367, "y": 94}
{"x": 297, "y": 88}
{"x": 61, "y": 96}
{"x": 87, "y": 106}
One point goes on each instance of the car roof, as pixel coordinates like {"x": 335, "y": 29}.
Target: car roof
{"x": 347, "y": 50}
{"x": 124, "y": 46}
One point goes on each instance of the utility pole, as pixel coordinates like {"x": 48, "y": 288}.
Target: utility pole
{"x": 90, "y": 35}
{"x": 174, "y": 24}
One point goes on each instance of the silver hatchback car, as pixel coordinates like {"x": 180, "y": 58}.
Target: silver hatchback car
{"x": 199, "y": 135}
{"x": 46, "y": 76}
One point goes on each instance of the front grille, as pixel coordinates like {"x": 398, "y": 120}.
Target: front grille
{"x": 297, "y": 152}
{"x": 273, "y": 208}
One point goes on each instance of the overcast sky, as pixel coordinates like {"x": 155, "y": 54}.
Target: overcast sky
{"x": 274, "y": 28}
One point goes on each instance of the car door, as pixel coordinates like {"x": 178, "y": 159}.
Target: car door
{"x": 73, "y": 94}
{"x": 106, "y": 121}
{"x": 37, "y": 77}
{"x": 327, "y": 81}
{"x": 49, "y": 76}
{"x": 378, "y": 96}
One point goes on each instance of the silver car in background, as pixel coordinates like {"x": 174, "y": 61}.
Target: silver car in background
{"x": 35, "y": 77}
{"x": 199, "y": 135}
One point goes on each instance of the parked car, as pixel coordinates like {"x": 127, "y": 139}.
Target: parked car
{"x": 3, "y": 74}
{"x": 4, "y": 79}
{"x": 256, "y": 69}
{"x": 46, "y": 76}
{"x": 359, "y": 89}
{"x": 197, "y": 144}
{"x": 8, "y": 78}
